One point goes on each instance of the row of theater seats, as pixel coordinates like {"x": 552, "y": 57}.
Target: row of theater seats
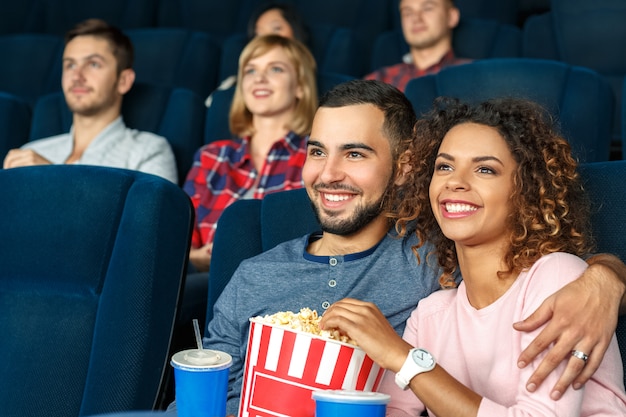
{"x": 175, "y": 113}
{"x": 368, "y": 17}
{"x": 134, "y": 259}
{"x": 198, "y": 57}
{"x": 178, "y": 57}
{"x": 580, "y": 99}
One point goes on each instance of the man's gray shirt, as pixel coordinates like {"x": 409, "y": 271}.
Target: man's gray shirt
{"x": 287, "y": 278}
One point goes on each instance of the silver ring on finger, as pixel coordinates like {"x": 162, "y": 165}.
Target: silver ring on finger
{"x": 580, "y": 355}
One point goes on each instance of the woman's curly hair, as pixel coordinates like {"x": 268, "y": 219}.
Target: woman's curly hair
{"x": 550, "y": 209}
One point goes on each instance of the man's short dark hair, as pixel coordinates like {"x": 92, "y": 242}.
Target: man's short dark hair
{"x": 121, "y": 46}
{"x": 397, "y": 109}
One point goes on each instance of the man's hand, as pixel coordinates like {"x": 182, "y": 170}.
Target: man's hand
{"x": 200, "y": 258}
{"x": 23, "y": 158}
{"x": 581, "y": 316}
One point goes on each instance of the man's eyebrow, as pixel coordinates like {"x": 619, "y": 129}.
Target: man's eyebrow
{"x": 358, "y": 145}
{"x": 344, "y": 147}
{"x": 313, "y": 142}
{"x": 88, "y": 57}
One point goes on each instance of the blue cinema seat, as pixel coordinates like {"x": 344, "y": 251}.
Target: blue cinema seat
{"x": 580, "y": 98}
{"x": 20, "y": 17}
{"x": 367, "y": 18}
{"x": 249, "y": 227}
{"x": 92, "y": 265}
{"x": 472, "y": 38}
{"x": 59, "y": 16}
{"x": 174, "y": 113}
{"x": 220, "y": 18}
{"x": 605, "y": 184}
{"x": 15, "y": 116}
{"x": 216, "y": 119}
{"x": 31, "y": 64}
{"x": 586, "y": 33}
{"x": 176, "y": 57}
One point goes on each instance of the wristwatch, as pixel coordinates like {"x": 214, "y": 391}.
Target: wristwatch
{"x": 418, "y": 361}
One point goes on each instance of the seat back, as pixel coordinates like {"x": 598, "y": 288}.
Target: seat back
{"x": 580, "y": 98}
{"x": 92, "y": 265}
{"x": 176, "y": 57}
{"x": 59, "y": 16}
{"x": 15, "y": 115}
{"x": 472, "y": 38}
{"x": 248, "y": 227}
{"x": 600, "y": 46}
{"x": 605, "y": 184}
{"x": 20, "y": 17}
{"x": 174, "y": 113}
{"x": 220, "y": 18}
{"x": 31, "y": 64}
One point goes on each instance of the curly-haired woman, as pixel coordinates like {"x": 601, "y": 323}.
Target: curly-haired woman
{"x": 495, "y": 188}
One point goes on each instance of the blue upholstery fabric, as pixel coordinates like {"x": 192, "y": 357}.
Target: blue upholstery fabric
{"x": 580, "y": 98}
{"x": 367, "y": 18}
{"x": 216, "y": 119}
{"x": 472, "y": 38}
{"x": 15, "y": 115}
{"x": 31, "y": 64}
{"x": 59, "y": 16}
{"x": 605, "y": 185}
{"x": 622, "y": 119}
{"x": 600, "y": 46}
{"x": 249, "y": 227}
{"x": 175, "y": 57}
{"x": 92, "y": 264}
{"x": 176, "y": 114}
{"x": 220, "y": 18}
{"x": 20, "y": 17}
{"x": 216, "y": 125}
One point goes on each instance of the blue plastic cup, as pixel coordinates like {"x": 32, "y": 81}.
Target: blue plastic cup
{"x": 342, "y": 403}
{"x": 201, "y": 382}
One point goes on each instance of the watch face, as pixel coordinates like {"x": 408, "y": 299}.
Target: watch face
{"x": 422, "y": 358}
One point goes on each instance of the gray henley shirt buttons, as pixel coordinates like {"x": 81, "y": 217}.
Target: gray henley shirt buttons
{"x": 331, "y": 283}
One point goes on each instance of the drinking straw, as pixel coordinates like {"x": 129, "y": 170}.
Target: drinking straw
{"x": 196, "y": 329}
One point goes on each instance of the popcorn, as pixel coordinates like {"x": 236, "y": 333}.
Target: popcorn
{"x": 307, "y": 321}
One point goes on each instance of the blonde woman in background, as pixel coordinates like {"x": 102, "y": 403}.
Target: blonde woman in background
{"x": 271, "y": 115}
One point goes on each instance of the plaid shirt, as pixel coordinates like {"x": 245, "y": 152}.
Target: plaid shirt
{"x": 223, "y": 172}
{"x": 400, "y": 74}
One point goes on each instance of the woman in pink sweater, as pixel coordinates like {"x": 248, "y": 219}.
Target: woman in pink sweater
{"x": 496, "y": 190}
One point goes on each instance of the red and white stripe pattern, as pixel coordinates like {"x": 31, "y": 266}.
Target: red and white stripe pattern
{"x": 283, "y": 367}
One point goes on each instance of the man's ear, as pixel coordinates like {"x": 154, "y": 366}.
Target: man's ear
{"x": 125, "y": 80}
{"x": 454, "y": 15}
{"x": 404, "y": 168}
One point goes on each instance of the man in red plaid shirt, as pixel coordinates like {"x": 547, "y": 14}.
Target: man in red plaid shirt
{"x": 427, "y": 27}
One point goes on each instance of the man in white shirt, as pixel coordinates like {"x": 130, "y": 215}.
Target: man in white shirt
{"x": 97, "y": 72}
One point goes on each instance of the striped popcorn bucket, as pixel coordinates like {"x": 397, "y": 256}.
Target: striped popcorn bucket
{"x": 283, "y": 367}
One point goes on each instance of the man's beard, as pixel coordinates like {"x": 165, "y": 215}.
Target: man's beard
{"x": 362, "y": 216}
{"x": 91, "y": 108}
